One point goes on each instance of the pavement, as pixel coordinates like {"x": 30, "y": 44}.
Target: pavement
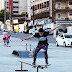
{"x": 60, "y": 57}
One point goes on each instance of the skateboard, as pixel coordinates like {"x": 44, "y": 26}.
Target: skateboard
{"x": 41, "y": 66}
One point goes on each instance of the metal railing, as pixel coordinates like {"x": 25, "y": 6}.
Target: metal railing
{"x": 62, "y": 7}
{"x": 42, "y": 10}
{"x": 62, "y": 18}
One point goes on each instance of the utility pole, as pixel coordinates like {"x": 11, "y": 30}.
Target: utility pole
{"x": 33, "y": 18}
{"x": 4, "y": 14}
{"x": 54, "y": 14}
{"x": 10, "y": 18}
{"x": 33, "y": 14}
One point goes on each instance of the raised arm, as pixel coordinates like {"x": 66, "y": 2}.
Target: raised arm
{"x": 54, "y": 28}
{"x": 27, "y": 38}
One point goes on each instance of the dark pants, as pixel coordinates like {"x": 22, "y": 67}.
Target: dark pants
{"x": 38, "y": 48}
{"x": 7, "y": 40}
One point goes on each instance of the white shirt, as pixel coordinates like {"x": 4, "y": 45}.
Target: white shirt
{"x": 4, "y": 34}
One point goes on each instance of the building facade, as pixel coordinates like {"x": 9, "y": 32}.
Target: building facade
{"x": 41, "y": 9}
{"x": 42, "y": 12}
{"x": 63, "y": 12}
{"x": 1, "y": 4}
{"x": 19, "y": 6}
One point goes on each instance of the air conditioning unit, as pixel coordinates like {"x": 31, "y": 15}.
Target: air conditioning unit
{"x": 47, "y": 8}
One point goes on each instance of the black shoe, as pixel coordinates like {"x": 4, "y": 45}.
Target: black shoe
{"x": 46, "y": 62}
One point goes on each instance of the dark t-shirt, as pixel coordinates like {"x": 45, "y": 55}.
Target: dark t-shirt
{"x": 42, "y": 39}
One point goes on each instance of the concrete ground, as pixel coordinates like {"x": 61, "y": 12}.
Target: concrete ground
{"x": 60, "y": 57}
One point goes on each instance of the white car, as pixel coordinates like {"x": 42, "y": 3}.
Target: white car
{"x": 60, "y": 31}
{"x": 64, "y": 39}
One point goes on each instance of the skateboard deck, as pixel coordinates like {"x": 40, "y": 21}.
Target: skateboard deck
{"x": 44, "y": 66}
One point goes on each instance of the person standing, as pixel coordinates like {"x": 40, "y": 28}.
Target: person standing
{"x": 4, "y": 37}
{"x": 42, "y": 44}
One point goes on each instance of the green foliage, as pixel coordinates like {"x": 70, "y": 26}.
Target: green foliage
{"x": 2, "y": 15}
{"x": 23, "y": 13}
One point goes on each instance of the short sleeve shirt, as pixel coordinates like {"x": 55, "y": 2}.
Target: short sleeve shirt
{"x": 4, "y": 34}
{"x": 42, "y": 39}
{"x": 8, "y": 37}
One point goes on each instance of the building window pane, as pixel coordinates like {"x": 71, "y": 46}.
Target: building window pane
{"x": 70, "y": 14}
{"x": 59, "y": 4}
{"x": 70, "y": 3}
{"x": 15, "y": 2}
{"x": 59, "y": 15}
{"x": 15, "y": 12}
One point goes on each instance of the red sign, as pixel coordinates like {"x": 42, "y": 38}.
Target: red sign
{"x": 10, "y": 6}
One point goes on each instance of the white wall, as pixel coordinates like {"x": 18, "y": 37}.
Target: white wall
{"x": 69, "y": 29}
{"x": 28, "y": 8}
{"x": 21, "y": 27}
{"x": 1, "y": 4}
{"x": 8, "y": 27}
{"x": 49, "y": 26}
{"x": 22, "y": 6}
{"x": 2, "y": 26}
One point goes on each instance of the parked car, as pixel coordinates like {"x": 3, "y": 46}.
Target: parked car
{"x": 60, "y": 31}
{"x": 64, "y": 39}
{"x": 33, "y": 31}
{"x": 47, "y": 29}
{"x": 5, "y": 30}
{"x": 26, "y": 31}
{"x": 0, "y": 29}
{"x": 30, "y": 31}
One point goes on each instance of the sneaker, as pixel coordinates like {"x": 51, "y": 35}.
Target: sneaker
{"x": 8, "y": 46}
{"x": 46, "y": 63}
{"x": 4, "y": 44}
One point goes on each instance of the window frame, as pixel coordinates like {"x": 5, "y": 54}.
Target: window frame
{"x": 69, "y": 2}
{"x": 59, "y": 5}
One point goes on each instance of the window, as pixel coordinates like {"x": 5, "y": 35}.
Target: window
{"x": 15, "y": 7}
{"x": 70, "y": 3}
{"x": 70, "y": 14}
{"x": 47, "y": 3}
{"x": 68, "y": 36}
{"x": 15, "y": 2}
{"x": 59, "y": 5}
{"x": 15, "y": 12}
{"x": 59, "y": 15}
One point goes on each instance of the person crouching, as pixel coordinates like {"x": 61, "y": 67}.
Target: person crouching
{"x": 7, "y": 40}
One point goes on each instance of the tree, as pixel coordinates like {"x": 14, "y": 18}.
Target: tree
{"x": 2, "y": 15}
{"x": 23, "y": 13}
